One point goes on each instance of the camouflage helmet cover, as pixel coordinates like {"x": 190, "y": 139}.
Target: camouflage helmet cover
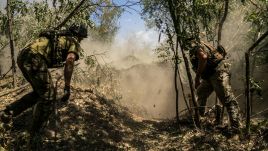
{"x": 79, "y": 30}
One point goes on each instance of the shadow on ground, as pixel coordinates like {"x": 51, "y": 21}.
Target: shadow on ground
{"x": 92, "y": 122}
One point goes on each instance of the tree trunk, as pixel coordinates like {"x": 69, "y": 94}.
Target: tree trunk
{"x": 11, "y": 41}
{"x": 175, "y": 54}
{"x": 176, "y": 82}
{"x": 258, "y": 41}
{"x": 176, "y": 88}
{"x": 247, "y": 95}
{"x": 176, "y": 27}
{"x": 222, "y": 20}
{"x": 252, "y": 75}
{"x": 226, "y": 6}
{"x": 190, "y": 79}
{"x": 252, "y": 69}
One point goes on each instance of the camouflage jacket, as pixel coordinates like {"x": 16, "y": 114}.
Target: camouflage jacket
{"x": 212, "y": 61}
{"x": 63, "y": 46}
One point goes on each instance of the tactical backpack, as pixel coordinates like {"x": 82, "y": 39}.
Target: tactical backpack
{"x": 77, "y": 30}
{"x": 56, "y": 54}
{"x": 215, "y": 56}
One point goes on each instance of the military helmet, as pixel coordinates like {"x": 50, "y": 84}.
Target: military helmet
{"x": 78, "y": 30}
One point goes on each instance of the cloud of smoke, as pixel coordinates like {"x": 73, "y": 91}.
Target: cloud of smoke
{"x": 235, "y": 40}
{"x": 147, "y": 87}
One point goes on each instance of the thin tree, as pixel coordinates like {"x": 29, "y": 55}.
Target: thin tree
{"x": 226, "y": 6}
{"x": 183, "y": 93}
{"x": 176, "y": 62}
{"x": 175, "y": 20}
{"x": 221, "y": 23}
{"x": 11, "y": 41}
{"x": 253, "y": 64}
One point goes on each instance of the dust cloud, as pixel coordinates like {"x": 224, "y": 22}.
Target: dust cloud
{"x": 235, "y": 40}
{"x": 146, "y": 86}
{"x": 151, "y": 85}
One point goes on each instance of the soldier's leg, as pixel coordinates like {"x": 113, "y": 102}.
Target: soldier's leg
{"x": 34, "y": 69}
{"x": 203, "y": 92}
{"x": 41, "y": 82}
{"x": 25, "y": 64}
{"x": 41, "y": 113}
{"x": 222, "y": 86}
{"x": 22, "y": 104}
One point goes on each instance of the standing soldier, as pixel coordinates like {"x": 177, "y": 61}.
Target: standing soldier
{"x": 48, "y": 51}
{"x": 210, "y": 66}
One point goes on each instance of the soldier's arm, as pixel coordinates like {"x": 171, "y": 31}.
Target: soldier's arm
{"x": 68, "y": 69}
{"x": 73, "y": 55}
{"x": 202, "y": 62}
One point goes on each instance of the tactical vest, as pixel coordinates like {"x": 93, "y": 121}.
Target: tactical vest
{"x": 214, "y": 58}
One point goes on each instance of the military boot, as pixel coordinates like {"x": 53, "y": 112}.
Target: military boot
{"x": 233, "y": 111}
{"x": 202, "y": 108}
{"x": 218, "y": 113}
{"x": 35, "y": 142}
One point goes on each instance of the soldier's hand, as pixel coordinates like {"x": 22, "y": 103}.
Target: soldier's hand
{"x": 66, "y": 94}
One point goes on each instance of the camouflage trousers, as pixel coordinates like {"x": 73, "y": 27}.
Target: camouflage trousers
{"x": 35, "y": 71}
{"x": 220, "y": 83}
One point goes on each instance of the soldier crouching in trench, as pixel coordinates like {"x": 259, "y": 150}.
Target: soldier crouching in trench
{"x": 213, "y": 74}
{"x": 34, "y": 61}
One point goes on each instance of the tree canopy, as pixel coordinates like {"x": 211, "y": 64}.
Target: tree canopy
{"x": 29, "y": 18}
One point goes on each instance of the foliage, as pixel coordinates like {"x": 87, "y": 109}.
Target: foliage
{"x": 258, "y": 18}
{"x": 194, "y": 16}
{"x": 44, "y": 14}
{"x": 163, "y": 52}
{"x": 106, "y": 18}
{"x": 256, "y": 87}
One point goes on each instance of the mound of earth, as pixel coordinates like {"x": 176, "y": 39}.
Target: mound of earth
{"x": 90, "y": 121}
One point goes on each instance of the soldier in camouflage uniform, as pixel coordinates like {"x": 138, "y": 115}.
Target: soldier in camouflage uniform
{"x": 214, "y": 71}
{"x": 34, "y": 61}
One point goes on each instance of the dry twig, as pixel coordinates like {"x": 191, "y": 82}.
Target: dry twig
{"x": 14, "y": 90}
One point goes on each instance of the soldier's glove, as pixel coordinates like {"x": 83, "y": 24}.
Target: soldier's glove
{"x": 66, "y": 94}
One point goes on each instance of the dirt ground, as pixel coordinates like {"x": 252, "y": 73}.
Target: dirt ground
{"x": 90, "y": 121}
